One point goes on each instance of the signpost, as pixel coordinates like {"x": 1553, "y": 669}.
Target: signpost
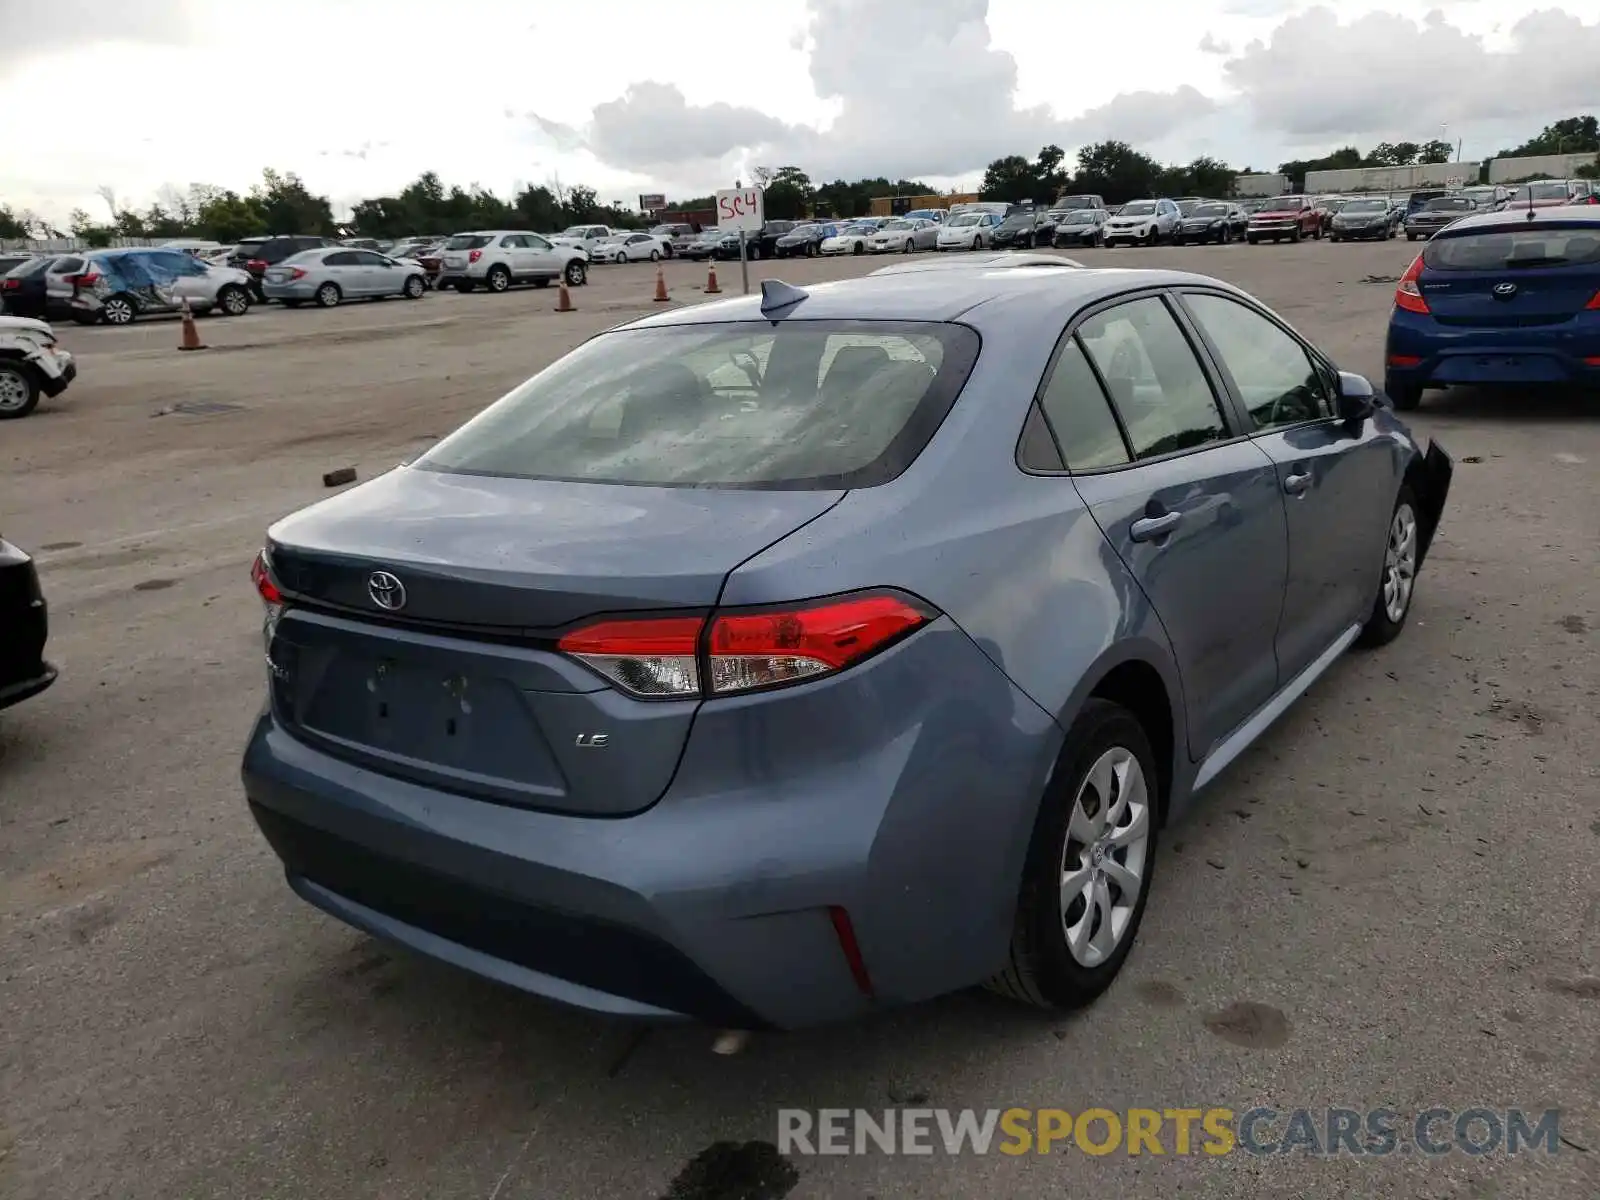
{"x": 739, "y": 210}
{"x": 652, "y": 203}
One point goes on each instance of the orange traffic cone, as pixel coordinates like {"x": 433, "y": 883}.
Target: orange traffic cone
{"x": 661, "y": 286}
{"x": 191, "y": 335}
{"x": 564, "y": 299}
{"x": 711, "y": 284}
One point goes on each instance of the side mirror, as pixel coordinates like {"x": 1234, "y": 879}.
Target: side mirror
{"x": 1357, "y": 397}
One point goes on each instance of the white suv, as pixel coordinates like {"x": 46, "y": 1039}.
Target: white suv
{"x": 1145, "y": 222}
{"x": 500, "y": 257}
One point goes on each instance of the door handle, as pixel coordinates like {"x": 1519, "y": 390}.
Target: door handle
{"x": 1149, "y": 529}
{"x": 1296, "y": 485}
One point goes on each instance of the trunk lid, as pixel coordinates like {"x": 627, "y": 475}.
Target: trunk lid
{"x": 459, "y": 685}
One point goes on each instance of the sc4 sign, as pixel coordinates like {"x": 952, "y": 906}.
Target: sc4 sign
{"x": 739, "y": 208}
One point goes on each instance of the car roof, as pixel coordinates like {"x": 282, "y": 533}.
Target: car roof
{"x": 1517, "y": 218}
{"x": 978, "y": 295}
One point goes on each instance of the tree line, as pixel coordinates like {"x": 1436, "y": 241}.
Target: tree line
{"x": 282, "y": 203}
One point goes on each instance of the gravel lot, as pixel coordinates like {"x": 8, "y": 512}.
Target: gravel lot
{"x": 1404, "y": 868}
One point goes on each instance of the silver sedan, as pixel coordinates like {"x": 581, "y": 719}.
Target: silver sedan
{"x": 330, "y": 274}
{"x": 903, "y": 235}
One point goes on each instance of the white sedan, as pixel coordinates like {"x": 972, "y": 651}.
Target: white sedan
{"x": 629, "y": 247}
{"x": 903, "y": 236}
{"x": 850, "y": 239}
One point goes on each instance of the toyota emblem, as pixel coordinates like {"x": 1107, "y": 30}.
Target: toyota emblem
{"x": 386, "y": 591}
{"x": 1504, "y": 290}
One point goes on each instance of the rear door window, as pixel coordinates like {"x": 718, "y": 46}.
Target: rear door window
{"x": 1080, "y": 416}
{"x": 1156, "y": 383}
{"x": 803, "y": 404}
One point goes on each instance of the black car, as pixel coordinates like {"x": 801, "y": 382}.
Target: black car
{"x": 1363, "y": 219}
{"x": 25, "y": 291}
{"x": 1027, "y": 230}
{"x": 1081, "y": 227}
{"x": 804, "y": 240}
{"x": 1212, "y": 221}
{"x": 757, "y": 245}
{"x": 258, "y": 253}
{"x": 23, "y": 629}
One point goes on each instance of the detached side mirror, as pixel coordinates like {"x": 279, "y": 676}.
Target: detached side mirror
{"x": 1357, "y": 397}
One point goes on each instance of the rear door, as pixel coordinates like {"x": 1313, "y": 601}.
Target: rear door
{"x": 1191, "y": 507}
{"x": 1338, "y": 482}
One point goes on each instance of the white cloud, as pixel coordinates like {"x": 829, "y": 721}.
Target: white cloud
{"x": 490, "y": 94}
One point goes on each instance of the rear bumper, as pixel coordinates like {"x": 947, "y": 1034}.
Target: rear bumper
{"x": 298, "y": 290}
{"x": 1421, "y": 352}
{"x": 716, "y": 904}
{"x": 17, "y": 690}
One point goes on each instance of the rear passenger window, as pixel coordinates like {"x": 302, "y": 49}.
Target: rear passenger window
{"x": 1155, "y": 380}
{"x": 1080, "y": 415}
{"x": 1274, "y": 375}
{"x": 344, "y": 258}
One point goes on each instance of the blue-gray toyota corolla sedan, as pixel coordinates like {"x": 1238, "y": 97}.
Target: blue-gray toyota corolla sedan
{"x": 778, "y": 659}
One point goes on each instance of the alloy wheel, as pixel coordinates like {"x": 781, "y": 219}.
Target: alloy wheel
{"x": 1104, "y": 859}
{"x": 1400, "y": 563}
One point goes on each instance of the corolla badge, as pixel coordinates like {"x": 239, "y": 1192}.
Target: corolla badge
{"x": 386, "y": 591}
{"x": 1505, "y": 290}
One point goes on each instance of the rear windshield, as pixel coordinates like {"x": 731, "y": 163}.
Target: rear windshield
{"x": 1542, "y": 191}
{"x": 1076, "y": 202}
{"x": 12, "y": 262}
{"x": 26, "y": 269}
{"x": 468, "y": 241}
{"x": 797, "y": 405}
{"x": 1540, "y": 245}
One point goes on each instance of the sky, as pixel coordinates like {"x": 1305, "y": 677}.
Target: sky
{"x": 138, "y": 96}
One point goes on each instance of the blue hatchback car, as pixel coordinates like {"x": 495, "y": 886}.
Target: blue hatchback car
{"x": 773, "y": 660}
{"x": 1500, "y": 298}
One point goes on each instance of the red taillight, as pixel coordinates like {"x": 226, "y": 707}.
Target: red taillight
{"x": 1408, "y": 295}
{"x": 261, "y": 576}
{"x": 87, "y": 279}
{"x": 296, "y": 273}
{"x": 743, "y": 651}
{"x": 653, "y": 656}
{"x": 10, "y": 285}
{"x": 257, "y": 265}
{"x": 475, "y": 256}
{"x": 846, "y": 933}
{"x": 1404, "y": 360}
{"x": 1594, "y": 303}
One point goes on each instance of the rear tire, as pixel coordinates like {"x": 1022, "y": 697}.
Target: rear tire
{"x": 233, "y": 301}
{"x": 1097, "y": 822}
{"x": 465, "y": 286}
{"x": 1406, "y": 397}
{"x": 1397, "y": 584}
{"x": 19, "y": 389}
{"x": 328, "y": 295}
{"x": 118, "y": 310}
{"x": 290, "y": 303}
{"x": 655, "y": 256}
{"x": 576, "y": 274}
{"x": 498, "y": 279}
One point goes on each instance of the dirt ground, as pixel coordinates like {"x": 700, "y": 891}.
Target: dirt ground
{"x": 1402, "y": 873}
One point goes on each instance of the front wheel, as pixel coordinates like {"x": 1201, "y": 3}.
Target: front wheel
{"x": 1087, "y": 873}
{"x": 19, "y": 390}
{"x": 753, "y": 252}
{"x": 1398, "y": 582}
{"x": 907, "y": 246}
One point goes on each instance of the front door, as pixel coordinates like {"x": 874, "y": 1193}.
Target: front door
{"x": 1337, "y": 480}
{"x": 1193, "y": 510}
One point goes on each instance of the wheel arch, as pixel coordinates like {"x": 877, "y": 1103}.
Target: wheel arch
{"x": 1140, "y": 676}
